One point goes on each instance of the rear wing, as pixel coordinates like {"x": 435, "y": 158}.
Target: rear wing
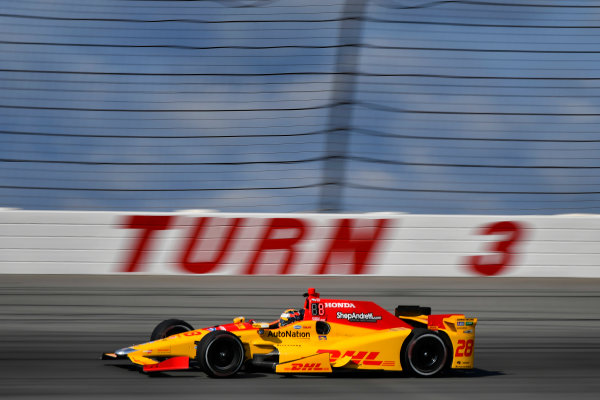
{"x": 411, "y": 311}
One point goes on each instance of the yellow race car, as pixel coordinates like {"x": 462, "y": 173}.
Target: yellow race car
{"x": 323, "y": 336}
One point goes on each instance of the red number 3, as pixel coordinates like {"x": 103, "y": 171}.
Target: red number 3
{"x": 513, "y": 233}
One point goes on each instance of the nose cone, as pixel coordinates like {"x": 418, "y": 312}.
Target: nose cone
{"x": 124, "y": 351}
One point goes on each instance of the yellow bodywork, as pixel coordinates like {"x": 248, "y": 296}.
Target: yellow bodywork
{"x": 301, "y": 349}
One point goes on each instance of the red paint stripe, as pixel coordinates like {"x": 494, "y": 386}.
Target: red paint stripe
{"x": 170, "y": 364}
{"x": 372, "y": 362}
{"x": 437, "y": 321}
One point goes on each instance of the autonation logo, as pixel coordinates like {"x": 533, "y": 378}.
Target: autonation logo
{"x": 288, "y": 334}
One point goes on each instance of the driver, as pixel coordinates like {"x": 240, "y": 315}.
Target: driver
{"x": 290, "y": 315}
{"x": 287, "y": 317}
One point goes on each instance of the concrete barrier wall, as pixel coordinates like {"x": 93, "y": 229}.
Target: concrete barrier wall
{"x": 44, "y": 242}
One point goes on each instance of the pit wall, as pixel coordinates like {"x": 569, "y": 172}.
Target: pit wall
{"x": 386, "y": 244}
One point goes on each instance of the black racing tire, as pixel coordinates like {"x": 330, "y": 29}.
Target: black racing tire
{"x": 426, "y": 354}
{"x": 220, "y": 354}
{"x": 168, "y": 328}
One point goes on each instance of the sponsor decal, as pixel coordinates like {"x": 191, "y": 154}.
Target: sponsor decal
{"x": 469, "y": 331}
{"x": 322, "y": 337}
{"x": 288, "y": 334}
{"x": 306, "y": 367}
{"x": 297, "y": 327}
{"x": 357, "y": 357}
{"x": 339, "y": 305}
{"x": 358, "y": 317}
{"x": 192, "y": 333}
{"x": 469, "y": 323}
{"x": 460, "y": 323}
{"x": 212, "y": 329}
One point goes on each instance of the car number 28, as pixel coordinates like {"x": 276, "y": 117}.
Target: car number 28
{"x": 317, "y": 309}
{"x": 464, "y": 348}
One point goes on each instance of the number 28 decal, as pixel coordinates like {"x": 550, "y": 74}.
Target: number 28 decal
{"x": 505, "y": 248}
{"x": 317, "y": 309}
{"x": 464, "y": 348}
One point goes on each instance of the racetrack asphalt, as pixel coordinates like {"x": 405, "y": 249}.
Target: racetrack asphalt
{"x": 536, "y": 338}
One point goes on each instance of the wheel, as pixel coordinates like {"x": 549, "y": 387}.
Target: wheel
{"x": 168, "y": 328}
{"x": 220, "y": 354}
{"x": 425, "y": 354}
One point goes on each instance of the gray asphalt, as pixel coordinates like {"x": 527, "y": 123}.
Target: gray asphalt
{"x": 536, "y": 339}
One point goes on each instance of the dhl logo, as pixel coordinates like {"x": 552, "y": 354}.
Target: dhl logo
{"x": 306, "y": 367}
{"x": 357, "y": 357}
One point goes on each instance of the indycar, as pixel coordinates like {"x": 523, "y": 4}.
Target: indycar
{"x": 323, "y": 336}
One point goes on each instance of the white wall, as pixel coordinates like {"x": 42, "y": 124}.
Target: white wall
{"x": 44, "y": 242}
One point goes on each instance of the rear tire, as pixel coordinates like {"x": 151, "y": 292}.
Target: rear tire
{"x": 425, "y": 354}
{"x": 220, "y": 354}
{"x": 168, "y": 328}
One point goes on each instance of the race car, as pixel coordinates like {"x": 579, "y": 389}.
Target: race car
{"x": 321, "y": 337}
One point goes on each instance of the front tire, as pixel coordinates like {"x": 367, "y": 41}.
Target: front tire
{"x": 168, "y": 328}
{"x": 220, "y": 354}
{"x": 426, "y": 354}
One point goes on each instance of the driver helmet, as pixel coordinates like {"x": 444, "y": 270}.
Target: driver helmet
{"x": 288, "y": 316}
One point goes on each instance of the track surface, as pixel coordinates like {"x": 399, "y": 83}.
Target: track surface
{"x": 536, "y": 339}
